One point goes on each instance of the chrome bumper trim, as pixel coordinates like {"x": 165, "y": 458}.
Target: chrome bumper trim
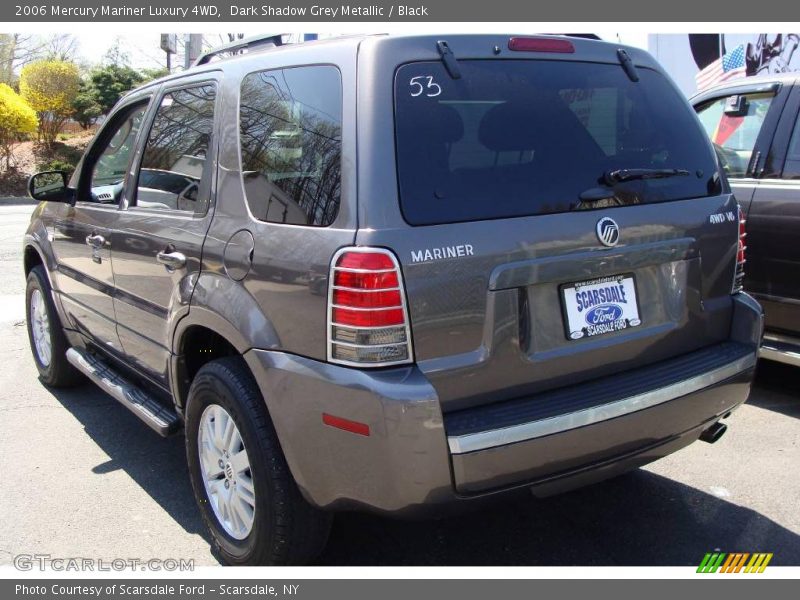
{"x": 492, "y": 438}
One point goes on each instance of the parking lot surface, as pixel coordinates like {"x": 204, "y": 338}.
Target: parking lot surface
{"x": 82, "y": 477}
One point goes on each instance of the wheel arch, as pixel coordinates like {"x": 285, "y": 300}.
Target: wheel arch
{"x": 196, "y": 344}
{"x": 223, "y": 320}
{"x": 31, "y": 257}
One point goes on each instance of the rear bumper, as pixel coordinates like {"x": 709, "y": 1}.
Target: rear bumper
{"x": 631, "y": 439}
{"x": 415, "y": 461}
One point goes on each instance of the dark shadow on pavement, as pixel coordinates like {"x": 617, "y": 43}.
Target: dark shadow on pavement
{"x": 638, "y": 519}
{"x": 156, "y": 464}
{"x": 779, "y": 388}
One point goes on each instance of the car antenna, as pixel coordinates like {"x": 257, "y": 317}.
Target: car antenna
{"x": 449, "y": 59}
{"x": 627, "y": 65}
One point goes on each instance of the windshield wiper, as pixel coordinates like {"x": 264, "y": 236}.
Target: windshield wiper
{"x": 620, "y": 175}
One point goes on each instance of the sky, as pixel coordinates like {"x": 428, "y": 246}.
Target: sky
{"x": 144, "y": 50}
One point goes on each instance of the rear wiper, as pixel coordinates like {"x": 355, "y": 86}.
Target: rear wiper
{"x": 627, "y": 65}
{"x": 619, "y": 175}
{"x": 449, "y": 59}
{"x": 613, "y": 176}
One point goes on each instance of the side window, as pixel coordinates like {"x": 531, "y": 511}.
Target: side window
{"x": 114, "y": 152}
{"x": 791, "y": 169}
{"x": 290, "y": 132}
{"x": 733, "y": 124}
{"x": 175, "y": 172}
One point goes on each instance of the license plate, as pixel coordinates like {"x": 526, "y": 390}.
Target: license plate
{"x": 600, "y": 306}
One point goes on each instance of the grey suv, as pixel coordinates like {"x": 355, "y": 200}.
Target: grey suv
{"x": 397, "y": 274}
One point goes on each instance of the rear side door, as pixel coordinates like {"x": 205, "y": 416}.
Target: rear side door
{"x": 158, "y": 237}
{"x": 773, "y": 227}
{"x": 82, "y": 233}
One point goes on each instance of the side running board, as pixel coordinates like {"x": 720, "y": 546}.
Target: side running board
{"x": 161, "y": 419}
{"x": 781, "y": 348}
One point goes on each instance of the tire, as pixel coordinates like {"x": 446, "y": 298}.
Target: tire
{"x": 285, "y": 529}
{"x": 48, "y": 343}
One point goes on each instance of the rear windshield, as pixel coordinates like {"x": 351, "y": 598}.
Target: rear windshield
{"x": 517, "y": 137}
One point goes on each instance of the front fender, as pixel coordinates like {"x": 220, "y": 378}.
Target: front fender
{"x": 38, "y": 238}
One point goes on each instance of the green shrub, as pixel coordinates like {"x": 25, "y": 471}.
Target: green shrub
{"x": 56, "y": 164}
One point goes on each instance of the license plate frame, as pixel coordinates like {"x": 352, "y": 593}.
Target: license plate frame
{"x": 614, "y": 309}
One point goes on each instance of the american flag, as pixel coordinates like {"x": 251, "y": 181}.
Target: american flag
{"x": 728, "y": 67}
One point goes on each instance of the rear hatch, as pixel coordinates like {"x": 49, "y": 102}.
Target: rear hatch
{"x": 562, "y": 220}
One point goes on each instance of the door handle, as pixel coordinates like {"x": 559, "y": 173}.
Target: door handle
{"x": 95, "y": 241}
{"x": 171, "y": 260}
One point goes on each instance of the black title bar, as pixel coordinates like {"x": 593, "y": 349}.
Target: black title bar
{"x": 448, "y": 11}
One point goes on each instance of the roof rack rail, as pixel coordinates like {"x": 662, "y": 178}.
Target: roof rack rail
{"x": 271, "y": 40}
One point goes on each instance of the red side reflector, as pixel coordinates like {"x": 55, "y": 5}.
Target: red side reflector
{"x": 345, "y": 424}
{"x": 525, "y": 44}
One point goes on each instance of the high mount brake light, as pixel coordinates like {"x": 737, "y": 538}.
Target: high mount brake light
{"x": 368, "y": 322}
{"x": 526, "y": 44}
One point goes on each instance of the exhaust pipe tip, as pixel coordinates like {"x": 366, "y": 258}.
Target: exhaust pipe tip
{"x": 713, "y": 433}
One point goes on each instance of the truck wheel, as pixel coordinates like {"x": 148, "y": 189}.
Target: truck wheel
{"x": 48, "y": 343}
{"x": 247, "y": 496}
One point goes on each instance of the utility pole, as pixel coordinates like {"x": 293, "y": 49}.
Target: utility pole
{"x": 194, "y": 47}
{"x": 169, "y": 44}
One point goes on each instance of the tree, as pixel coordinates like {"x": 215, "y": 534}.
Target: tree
{"x": 17, "y": 119}
{"x": 151, "y": 74}
{"x": 111, "y": 82}
{"x": 117, "y": 55}
{"x": 50, "y": 87}
{"x": 17, "y": 50}
{"x": 86, "y": 108}
{"x": 60, "y": 46}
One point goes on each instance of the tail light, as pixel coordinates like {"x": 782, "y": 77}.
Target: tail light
{"x": 368, "y": 322}
{"x": 738, "y": 278}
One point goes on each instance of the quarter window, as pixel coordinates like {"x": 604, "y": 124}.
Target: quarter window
{"x": 175, "y": 170}
{"x": 290, "y": 132}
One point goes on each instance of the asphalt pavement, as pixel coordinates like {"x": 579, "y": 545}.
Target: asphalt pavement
{"x": 82, "y": 477}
